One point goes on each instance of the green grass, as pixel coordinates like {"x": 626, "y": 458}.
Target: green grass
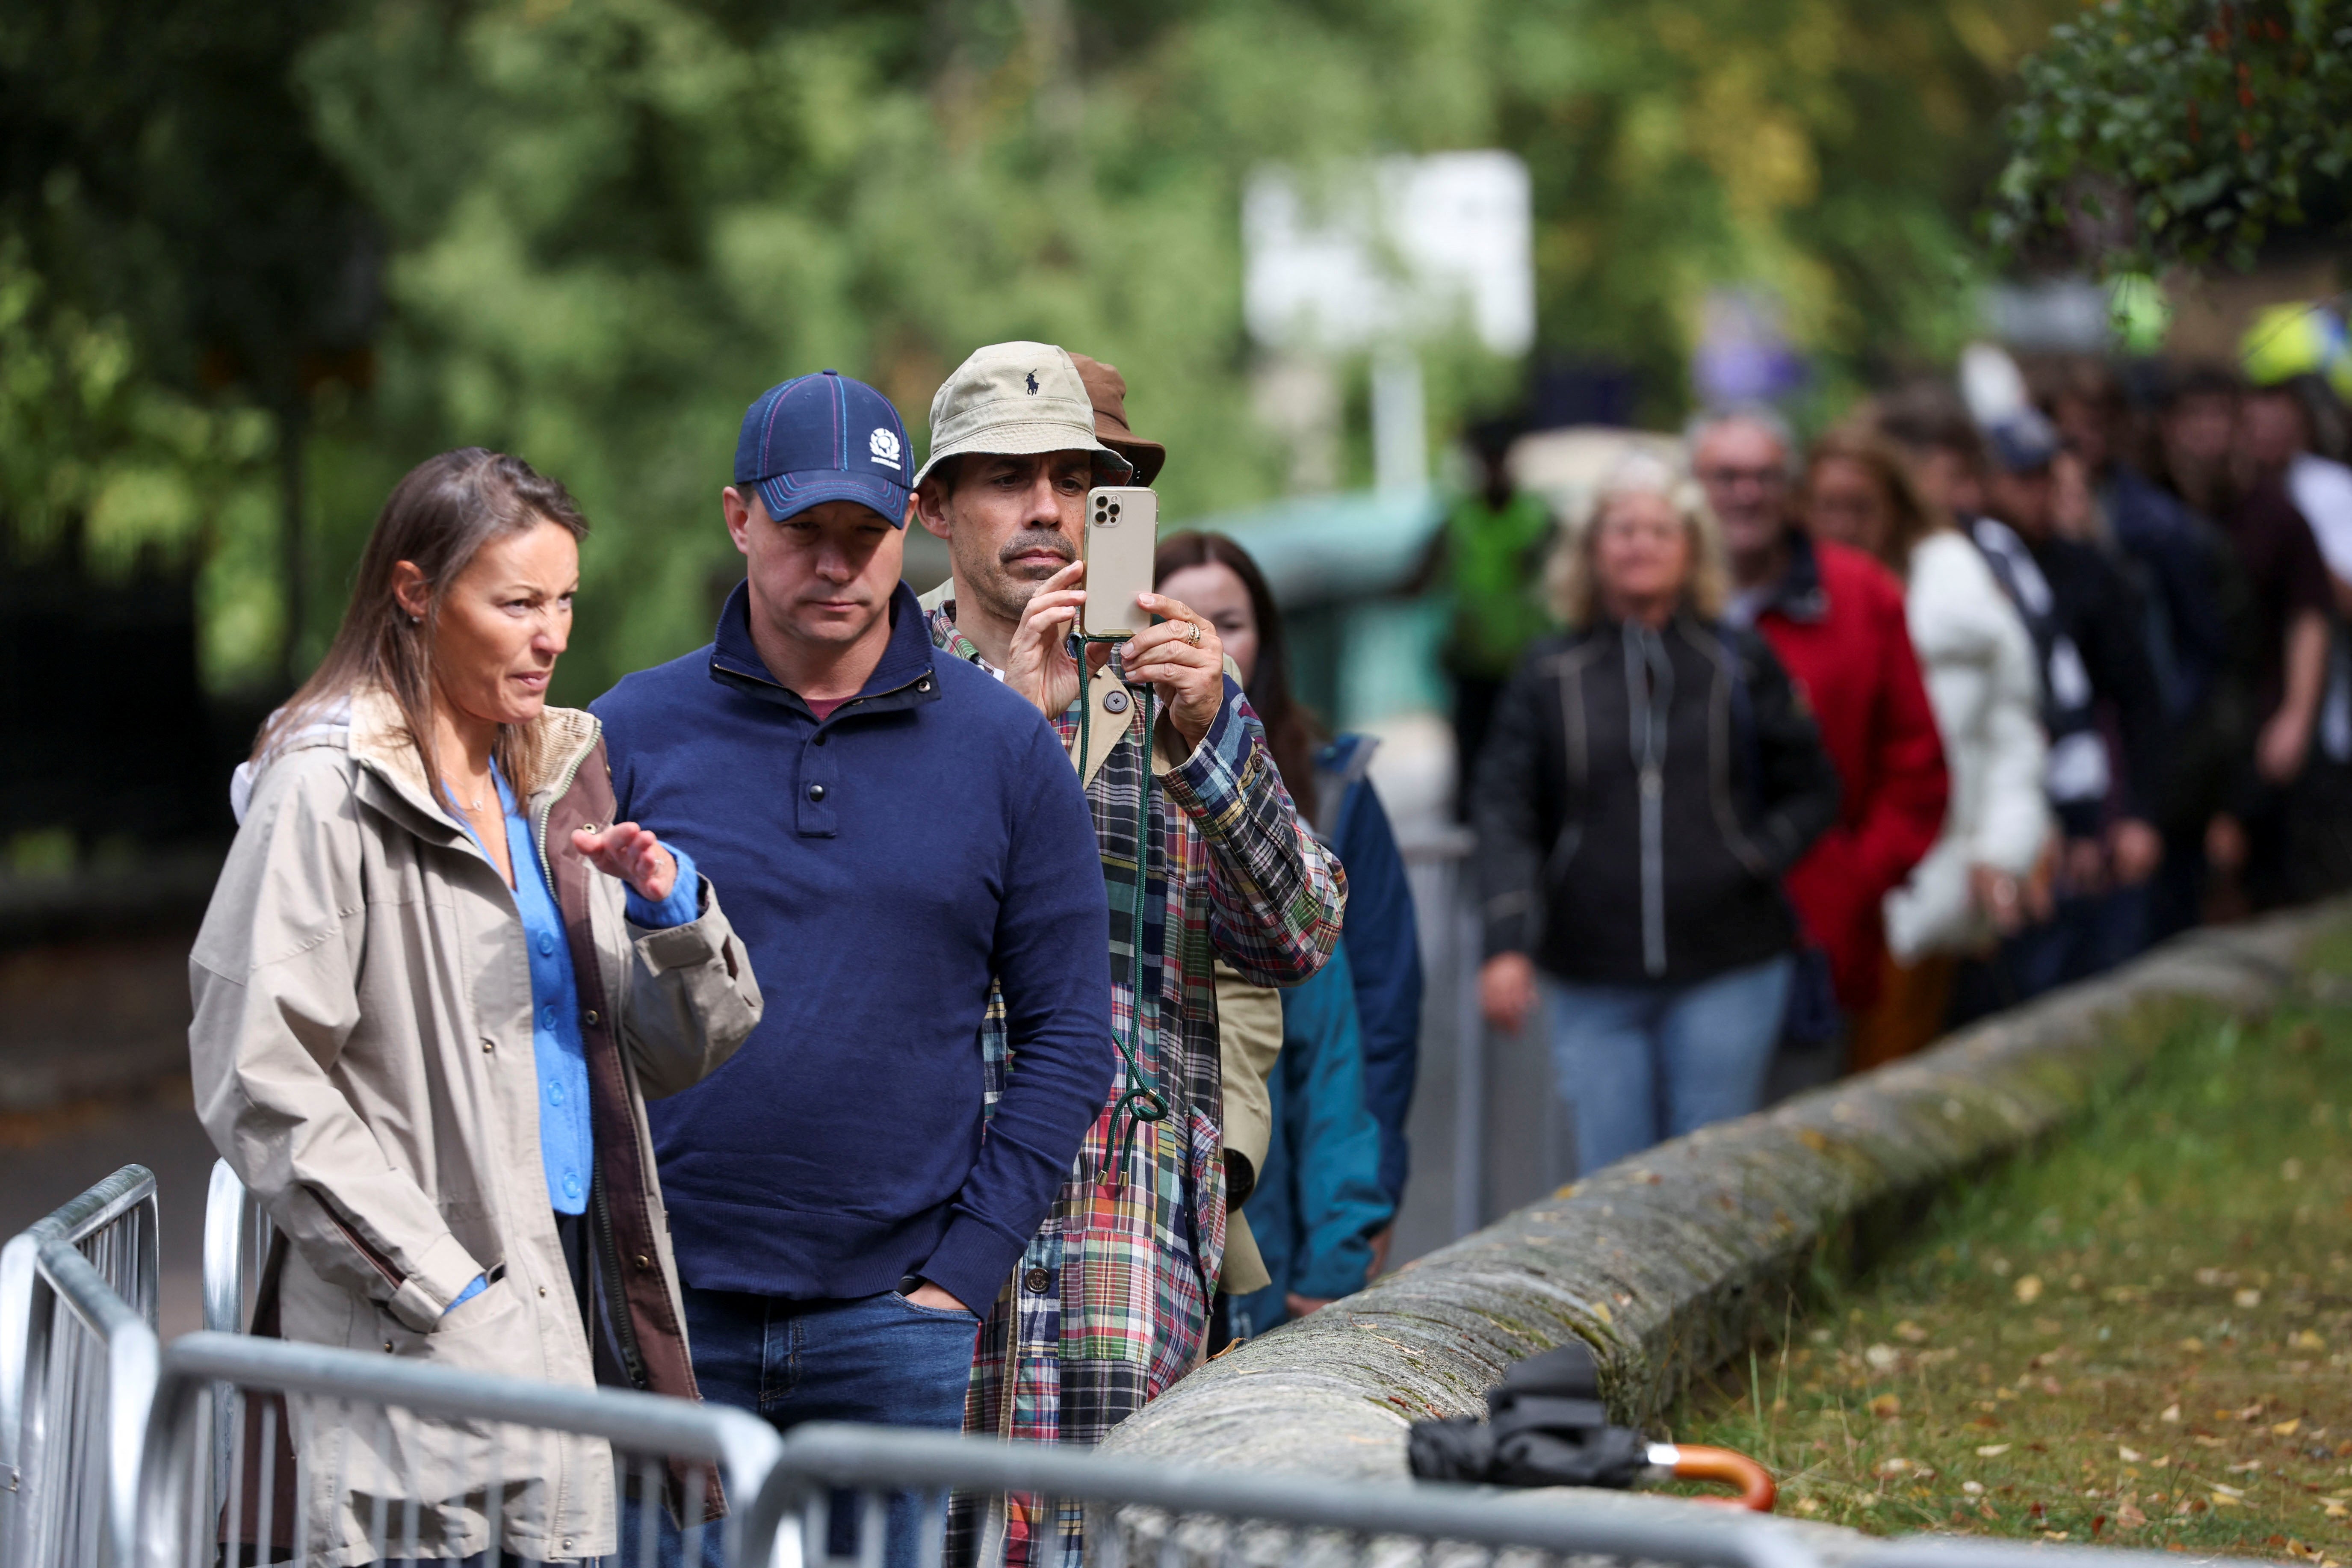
{"x": 2140, "y": 1334}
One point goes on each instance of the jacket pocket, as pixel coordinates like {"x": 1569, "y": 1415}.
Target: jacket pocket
{"x": 494, "y": 1332}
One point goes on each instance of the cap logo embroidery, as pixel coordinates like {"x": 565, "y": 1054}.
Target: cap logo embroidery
{"x": 883, "y": 445}
{"x": 1033, "y": 383}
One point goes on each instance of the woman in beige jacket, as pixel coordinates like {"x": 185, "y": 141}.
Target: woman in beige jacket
{"x": 433, "y": 988}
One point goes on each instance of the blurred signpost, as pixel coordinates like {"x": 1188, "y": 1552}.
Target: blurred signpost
{"x": 1383, "y": 258}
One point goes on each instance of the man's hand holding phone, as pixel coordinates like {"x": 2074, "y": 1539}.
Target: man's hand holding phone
{"x": 1039, "y": 665}
{"x": 1183, "y": 658}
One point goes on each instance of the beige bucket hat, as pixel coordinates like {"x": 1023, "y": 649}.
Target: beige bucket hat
{"x": 1011, "y": 400}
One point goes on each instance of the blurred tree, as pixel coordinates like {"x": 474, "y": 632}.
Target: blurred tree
{"x": 2154, "y": 131}
{"x": 1826, "y": 152}
{"x": 159, "y": 179}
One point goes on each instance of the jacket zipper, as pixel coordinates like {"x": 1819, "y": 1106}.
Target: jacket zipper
{"x": 539, "y": 824}
{"x": 1653, "y": 872}
{"x": 616, "y": 1294}
{"x": 608, "y": 1246}
{"x": 1649, "y": 690}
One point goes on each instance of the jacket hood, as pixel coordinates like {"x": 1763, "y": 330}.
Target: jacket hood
{"x": 368, "y": 724}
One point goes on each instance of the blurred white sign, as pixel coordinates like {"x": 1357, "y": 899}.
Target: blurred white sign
{"x": 1390, "y": 253}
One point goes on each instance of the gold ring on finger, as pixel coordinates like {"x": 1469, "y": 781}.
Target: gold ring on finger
{"x": 1193, "y": 632}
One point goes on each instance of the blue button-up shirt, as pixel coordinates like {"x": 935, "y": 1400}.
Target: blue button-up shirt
{"x": 559, "y": 1056}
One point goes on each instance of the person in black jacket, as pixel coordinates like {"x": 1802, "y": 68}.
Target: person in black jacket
{"x": 1650, "y": 777}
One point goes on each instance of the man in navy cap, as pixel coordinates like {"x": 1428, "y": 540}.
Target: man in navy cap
{"x": 893, "y": 830}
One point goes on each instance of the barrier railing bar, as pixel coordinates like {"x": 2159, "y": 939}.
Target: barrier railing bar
{"x": 744, "y": 1447}
{"x": 828, "y": 1454}
{"x": 132, "y": 1356}
{"x": 127, "y": 1195}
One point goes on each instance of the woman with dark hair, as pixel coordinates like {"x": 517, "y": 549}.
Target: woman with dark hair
{"x": 1335, "y": 1165}
{"x": 433, "y": 988}
{"x": 1978, "y": 884}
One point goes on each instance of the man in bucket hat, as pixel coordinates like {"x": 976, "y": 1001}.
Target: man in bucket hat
{"x": 910, "y": 852}
{"x": 1110, "y": 1304}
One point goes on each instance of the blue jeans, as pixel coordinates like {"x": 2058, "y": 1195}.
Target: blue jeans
{"x": 1640, "y": 1064}
{"x": 879, "y": 1359}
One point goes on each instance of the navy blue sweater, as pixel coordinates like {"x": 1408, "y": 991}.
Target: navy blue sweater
{"x": 881, "y": 867}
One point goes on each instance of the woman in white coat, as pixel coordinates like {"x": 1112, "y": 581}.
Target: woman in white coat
{"x": 1978, "y": 883}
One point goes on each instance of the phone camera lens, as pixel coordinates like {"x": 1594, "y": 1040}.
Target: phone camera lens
{"x": 1114, "y": 509}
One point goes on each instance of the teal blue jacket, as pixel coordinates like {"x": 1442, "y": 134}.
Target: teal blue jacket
{"x": 1318, "y": 1200}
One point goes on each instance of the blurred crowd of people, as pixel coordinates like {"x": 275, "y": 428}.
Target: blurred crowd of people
{"x": 1837, "y": 746}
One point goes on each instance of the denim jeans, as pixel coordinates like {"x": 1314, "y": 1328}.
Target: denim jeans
{"x": 1640, "y": 1064}
{"x": 879, "y": 1359}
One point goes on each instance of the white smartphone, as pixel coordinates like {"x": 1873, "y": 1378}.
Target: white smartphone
{"x": 1123, "y": 537}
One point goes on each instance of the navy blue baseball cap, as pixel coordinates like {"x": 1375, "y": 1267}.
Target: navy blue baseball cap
{"x": 825, "y": 438}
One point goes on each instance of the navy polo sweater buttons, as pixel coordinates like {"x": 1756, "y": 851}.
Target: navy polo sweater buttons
{"x": 816, "y": 792}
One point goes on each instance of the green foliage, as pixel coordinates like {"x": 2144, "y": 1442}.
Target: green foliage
{"x": 97, "y": 456}
{"x": 613, "y": 221}
{"x": 2178, "y": 131}
{"x": 590, "y": 231}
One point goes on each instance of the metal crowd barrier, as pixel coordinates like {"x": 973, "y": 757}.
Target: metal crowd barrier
{"x": 1438, "y": 867}
{"x": 339, "y": 1455}
{"x": 1153, "y": 1516}
{"x": 78, "y": 1358}
{"x": 238, "y": 1233}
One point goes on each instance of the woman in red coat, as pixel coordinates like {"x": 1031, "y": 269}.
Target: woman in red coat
{"x": 1834, "y": 616}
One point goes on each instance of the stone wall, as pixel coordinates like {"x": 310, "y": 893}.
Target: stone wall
{"x": 1673, "y": 1262}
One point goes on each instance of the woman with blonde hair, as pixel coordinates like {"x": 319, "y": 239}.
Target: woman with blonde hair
{"x": 1978, "y": 883}
{"x": 436, "y": 984}
{"x": 1651, "y": 775}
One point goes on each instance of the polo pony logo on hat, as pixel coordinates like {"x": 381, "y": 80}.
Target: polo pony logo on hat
{"x": 883, "y": 445}
{"x": 1033, "y": 383}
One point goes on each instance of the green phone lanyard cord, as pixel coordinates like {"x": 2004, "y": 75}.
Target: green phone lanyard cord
{"x": 1141, "y": 1101}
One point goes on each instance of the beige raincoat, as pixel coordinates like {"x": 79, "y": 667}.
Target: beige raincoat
{"x": 362, "y": 1057}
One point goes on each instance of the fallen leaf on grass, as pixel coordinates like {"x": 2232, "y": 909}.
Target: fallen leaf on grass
{"x": 2128, "y": 1455}
{"x": 1882, "y": 1358}
{"x": 2249, "y": 1296}
{"x": 1910, "y": 1332}
{"x": 2129, "y": 1518}
{"x": 1993, "y": 1450}
{"x": 2288, "y": 1427}
{"x": 2193, "y": 1346}
{"x": 2172, "y": 1412}
{"x": 1886, "y": 1407}
{"x": 2028, "y": 1289}
{"x": 2307, "y": 1340}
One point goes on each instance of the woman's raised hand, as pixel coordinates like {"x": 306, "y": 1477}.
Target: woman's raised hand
{"x": 633, "y": 854}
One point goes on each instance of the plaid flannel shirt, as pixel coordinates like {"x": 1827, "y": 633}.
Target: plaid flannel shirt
{"x": 1110, "y": 1303}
